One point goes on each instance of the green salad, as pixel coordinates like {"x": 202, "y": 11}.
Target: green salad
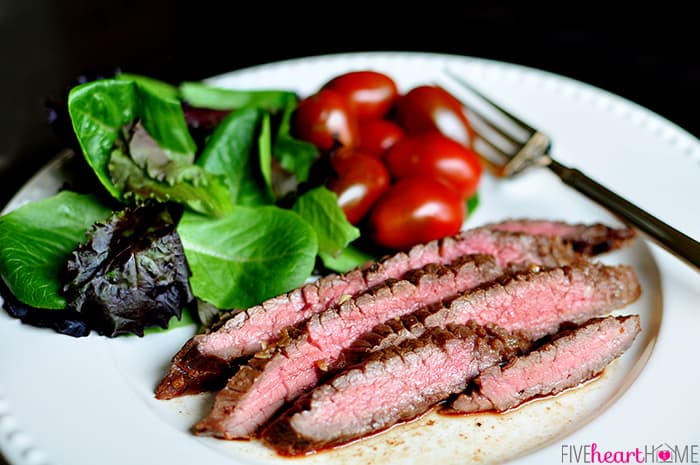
{"x": 177, "y": 219}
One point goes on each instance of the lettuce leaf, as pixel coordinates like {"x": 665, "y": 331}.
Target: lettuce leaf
{"x": 211, "y": 196}
{"x": 203, "y": 95}
{"x": 102, "y": 110}
{"x": 230, "y": 152}
{"x": 265, "y": 154}
{"x": 99, "y": 110}
{"x": 37, "y": 239}
{"x": 105, "y": 112}
{"x": 294, "y": 155}
{"x": 155, "y": 86}
{"x": 164, "y": 120}
{"x": 249, "y": 255}
{"x": 319, "y": 207}
{"x": 348, "y": 258}
{"x": 130, "y": 274}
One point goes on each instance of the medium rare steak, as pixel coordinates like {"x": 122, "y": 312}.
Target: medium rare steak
{"x": 566, "y": 362}
{"x": 532, "y": 303}
{"x": 397, "y": 330}
{"x": 588, "y": 239}
{"x": 202, "y": 363}
{"x": 537, "y": 303}
{"x": 395, "y": 384}
{"x": 281, "y": 373}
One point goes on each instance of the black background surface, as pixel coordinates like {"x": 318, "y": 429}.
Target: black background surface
{"x": 647, "y": 55}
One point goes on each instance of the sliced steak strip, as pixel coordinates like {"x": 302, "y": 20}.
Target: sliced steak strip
{"x": 202, "y": 363}
{"x": 536, "y": 304}
{"x": 569, "y": 360}
{"x": 398, "y": 330}
{"x": 532, "y": 303}
{"x": 281, "y": 373}
{"x": 588, "y": 239}
{"x": 395, "y": 384}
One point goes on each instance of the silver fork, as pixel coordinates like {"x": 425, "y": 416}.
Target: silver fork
{"x": 531, "y": 147}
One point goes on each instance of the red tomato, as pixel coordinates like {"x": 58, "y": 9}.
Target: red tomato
{"x": 415, "y": 210}
{"x": 362, "y": 178}
{"x": 379, "y": 135}
{"x": 426, "y": 108}
{"x": 369, "y": 93}
{"x": 434, "y": 155}
{"x": 325, "y": 119}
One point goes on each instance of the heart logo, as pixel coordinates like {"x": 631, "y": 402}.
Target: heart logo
{"x": 664, "y": 455}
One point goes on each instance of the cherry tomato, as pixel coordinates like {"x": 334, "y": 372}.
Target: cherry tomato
{"x": 369, "y": 93}
{"x": 379, "y": 135}
{"x": 362, "y": 178}
{"x": 434, "y": 155}
{"x": 432, "y": 107}
{"x": 414, "y": 210}
{"x": 325, "y": 119}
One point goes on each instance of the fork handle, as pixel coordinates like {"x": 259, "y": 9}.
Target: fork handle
{"x": 668, "y": 237}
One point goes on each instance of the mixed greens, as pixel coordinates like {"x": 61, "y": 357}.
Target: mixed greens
{"x": 189, "y": 216}
{"x": 130, "y": 274}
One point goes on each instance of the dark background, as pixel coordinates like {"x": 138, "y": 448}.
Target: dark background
{"x": 646, "y": 55}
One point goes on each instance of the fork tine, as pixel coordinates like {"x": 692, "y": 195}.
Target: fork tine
{"x": 488, "y": 152}
{"x": 460, "y": 80}
{"x": 477, "y": 119}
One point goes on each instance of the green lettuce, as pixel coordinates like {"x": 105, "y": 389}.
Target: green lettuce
{"x": 36, "y": 241}
{"x": 247, "y": 256}
{"x": 230, "y": 152}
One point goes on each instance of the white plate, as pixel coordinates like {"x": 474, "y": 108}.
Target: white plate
{"x": 90, "y": 400}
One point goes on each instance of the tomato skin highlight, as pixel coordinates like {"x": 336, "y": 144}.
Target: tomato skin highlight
{"x": 415, "y": 210}
{"x": 325, "y": 120}
{"x": 431, "y": 154}
{"x": 361, "y": 180}
{"x": 377, "y": 136}
{"x": 370, "y": 94}
{"x": 425, "y": 108}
